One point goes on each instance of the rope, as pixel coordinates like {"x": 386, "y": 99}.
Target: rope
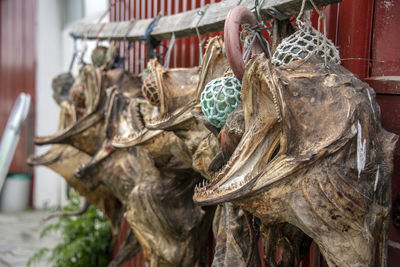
{"x": 98, "y": 33}
{"x": 298, "y": 18}
{"x": 85, "y": 48}
{"x": 122, "y": 59}
{"x": 248, "y": 36}
{"x": 301, "y": 24}
{"x": 257, "y": 7}
{"x": 201, "y": 13}
{"x": 90, "y": 28}
{"x": 74, "y": 54}
{"x": 131, "y": 24}
{"x": 168, "y": 55}
{"x": 113, "y": 31}
{"x": 150, "y": 28}
{"x": 151, "y": 42}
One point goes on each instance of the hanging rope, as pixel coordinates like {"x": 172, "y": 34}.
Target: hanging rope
{"x": 168, "y": 55}
{"x": 85, "y": 46}
{"x": 304, "y": 24}
{"x": 248, "y": 36}
{"x": 98, "y": 33}
{"x": 127, "y": 49}
{"x": 151, "y": 42}
{"x": 74, "y": 54}
{"x": 113, "y": 30}
{"x": 201, "y": 13}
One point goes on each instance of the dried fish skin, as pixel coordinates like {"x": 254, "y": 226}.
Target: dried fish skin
{"x": 314, "y": 155}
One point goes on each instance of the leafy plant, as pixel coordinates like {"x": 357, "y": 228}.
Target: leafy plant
{"x": 85, "y": 239}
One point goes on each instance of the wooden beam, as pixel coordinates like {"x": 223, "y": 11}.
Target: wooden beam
{"x": 184, "y": 24}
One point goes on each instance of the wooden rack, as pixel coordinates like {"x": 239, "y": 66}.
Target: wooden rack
{"x": 207, "y": 19}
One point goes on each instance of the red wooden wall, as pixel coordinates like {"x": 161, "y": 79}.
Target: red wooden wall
{"x": 367, "y": 33}
{"x": 185, "y": 52}
{"x": 384, "y": 77}
{"x": 17, "y": 69}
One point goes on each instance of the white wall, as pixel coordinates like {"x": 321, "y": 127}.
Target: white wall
{"x": 54, "y": 49}
{"x": 47, "y": 187}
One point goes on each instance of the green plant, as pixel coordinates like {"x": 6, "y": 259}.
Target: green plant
{"x": 85, "y": 239}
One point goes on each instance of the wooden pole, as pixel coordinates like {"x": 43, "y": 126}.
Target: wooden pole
{"x": 207, "y": 19}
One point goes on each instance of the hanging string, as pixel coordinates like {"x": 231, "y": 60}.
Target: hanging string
{"x": 257, "y": 8}
{"x": 248, "y": 37}
{"x": 201, "y": 13}
{"x": 168, "y": 55}
{"x": 85, "y": 48}
{"x": 113, "y": 31}
{"x": 151, "y": 42}
{"x": 98, "y": 33}
{"x": 85, "y": 38}
{"x": 126, "y": 51}
{"x": 107, "y": 11}
{"x": 249, "y": 34}
{"x": 74, "y": 54}
{"x": 298, "y": 18}
{"x": 321, "y": 16}
{"x": 122, "y": 59}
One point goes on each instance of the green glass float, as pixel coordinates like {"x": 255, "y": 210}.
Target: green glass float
{"x": 99, "y": 56}
{"x": 219, "y": 98}
{"x": 150, "y": 90}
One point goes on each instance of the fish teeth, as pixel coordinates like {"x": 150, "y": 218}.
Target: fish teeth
{"x": 275, "y": 100}
{"x": 164, "y": 119}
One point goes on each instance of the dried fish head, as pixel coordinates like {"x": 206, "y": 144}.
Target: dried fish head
{"x": 180, "y": 89}
{"x": 87, "y": 132}
{"x": 314, "y": 154}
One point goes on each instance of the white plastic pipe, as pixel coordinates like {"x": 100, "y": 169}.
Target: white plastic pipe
{"x": 11, "y": 134}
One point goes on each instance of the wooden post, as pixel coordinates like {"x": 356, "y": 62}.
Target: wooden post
{"x": 207, "y": 19}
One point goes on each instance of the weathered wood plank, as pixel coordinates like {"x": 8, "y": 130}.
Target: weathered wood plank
{"x": 184, "y": 24}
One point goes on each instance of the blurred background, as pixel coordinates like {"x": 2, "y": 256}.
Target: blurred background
{"x": 35, "y": 47}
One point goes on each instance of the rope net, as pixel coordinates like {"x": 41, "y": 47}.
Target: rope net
{"x": 302, "y": 44}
